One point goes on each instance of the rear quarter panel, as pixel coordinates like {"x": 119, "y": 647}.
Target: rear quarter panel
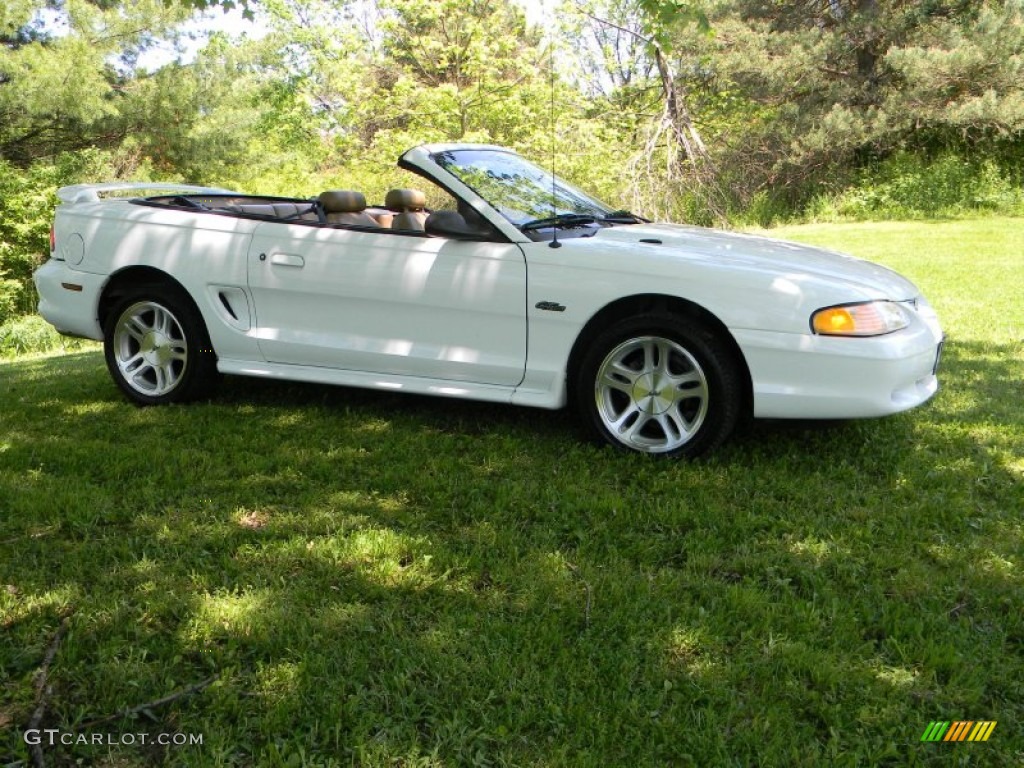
{"x": 201, "y": 251}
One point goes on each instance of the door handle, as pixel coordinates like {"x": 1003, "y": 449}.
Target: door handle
{"x": 287, "y": 260}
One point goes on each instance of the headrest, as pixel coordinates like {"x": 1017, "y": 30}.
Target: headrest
{"x": 405, "y": 199}
{"x": 454, "y": 225}
{"x": 342, "y": 201}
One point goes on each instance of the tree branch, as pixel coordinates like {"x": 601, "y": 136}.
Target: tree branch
{"x": 130, "y": 711}
{"x": 43, "y": 690}
{"x": 613, "y": 25}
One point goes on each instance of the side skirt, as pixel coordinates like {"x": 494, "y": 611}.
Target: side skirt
{"x": 391, "y": 383}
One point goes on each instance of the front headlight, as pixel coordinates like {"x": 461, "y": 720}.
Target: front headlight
{"x": 870, "y": 318}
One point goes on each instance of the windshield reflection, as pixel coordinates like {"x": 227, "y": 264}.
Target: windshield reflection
{"x": 517, "y": 188}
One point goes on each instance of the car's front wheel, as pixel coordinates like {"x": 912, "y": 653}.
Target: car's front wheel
{"x": 157, "y": 349}
{"x": 659, "y": 384}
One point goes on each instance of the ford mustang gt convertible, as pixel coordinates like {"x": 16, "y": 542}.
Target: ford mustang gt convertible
{"x": 489, "y": 279}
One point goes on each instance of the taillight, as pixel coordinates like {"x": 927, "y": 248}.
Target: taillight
{"x": 53, "y": 240}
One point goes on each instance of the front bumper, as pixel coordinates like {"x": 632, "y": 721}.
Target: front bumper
{"x": 798, "y": 376}
{"x": 69, "y": 300}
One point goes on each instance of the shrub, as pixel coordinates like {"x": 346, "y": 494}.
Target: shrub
{"x": 27, "y": 200}
{"x": 764, "y": 210}
{"x": 9, "y": 290}
{"x": 31, "y": 334}
{"x": 907, "y": 186}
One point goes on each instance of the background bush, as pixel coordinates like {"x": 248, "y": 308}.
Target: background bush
{"x": 31, "y": 334}
{"x": 909, "y": 186}
{"x": 27, "y": 199}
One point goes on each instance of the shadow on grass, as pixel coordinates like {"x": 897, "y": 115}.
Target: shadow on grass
{"x": 381, "y": 579}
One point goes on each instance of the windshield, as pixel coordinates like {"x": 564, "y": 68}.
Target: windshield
{"x": 517, "y": 188}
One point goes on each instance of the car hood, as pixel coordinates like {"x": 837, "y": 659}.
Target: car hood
{"x": 763, "y": 254}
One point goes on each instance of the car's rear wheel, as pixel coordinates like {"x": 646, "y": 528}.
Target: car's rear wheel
{"x": 157, "y": 348}
{"x": 659, "y": 384}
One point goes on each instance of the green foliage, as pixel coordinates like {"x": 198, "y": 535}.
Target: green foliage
{"x": 764, "y": 210}
{"x": 817, "y": 90}
{"x": 59, "y": 85}
{"x": 440, "y": 71}
{"x": 221, "y": 119}
{"x": 661, "y": 18}
{"x": 962, "y": 75}
{"x": 10, "y": 291}
{"x": 27, "y": 200}
{"x": 908, "y": 187}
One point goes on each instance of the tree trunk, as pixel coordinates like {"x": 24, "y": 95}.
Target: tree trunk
{"x": 867, "y": 56}
{"x": 677, "y": 120}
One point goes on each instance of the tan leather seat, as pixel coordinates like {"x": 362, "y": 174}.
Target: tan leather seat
{"x": 346, "y": 207}
{"x": 408, "y": 205}
{"x": 383, "y": 216}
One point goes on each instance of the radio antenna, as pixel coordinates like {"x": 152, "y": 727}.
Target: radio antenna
{"x": 554, "y": 204}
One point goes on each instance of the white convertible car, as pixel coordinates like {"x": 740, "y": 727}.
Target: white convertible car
{"x": 500, "y": 283}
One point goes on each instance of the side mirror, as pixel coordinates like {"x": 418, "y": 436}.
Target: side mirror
{"x": 454, "y": 226}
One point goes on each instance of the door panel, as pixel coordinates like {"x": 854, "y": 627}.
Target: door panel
{"x": 389, "y": 303}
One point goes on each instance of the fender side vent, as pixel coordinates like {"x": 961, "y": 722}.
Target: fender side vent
{"x": 227, "y": 304}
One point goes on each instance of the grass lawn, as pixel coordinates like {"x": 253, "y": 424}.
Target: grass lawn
{"x": 386, "y": 580}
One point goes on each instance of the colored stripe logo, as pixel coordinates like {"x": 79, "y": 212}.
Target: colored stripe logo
{"x": 958, "y": 730}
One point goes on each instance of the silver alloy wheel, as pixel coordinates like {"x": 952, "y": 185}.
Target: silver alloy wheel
{"x": 652, "y": 394}
{"x": 150, "y": 348}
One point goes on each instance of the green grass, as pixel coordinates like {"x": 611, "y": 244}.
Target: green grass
{"x": 399, "y": 581}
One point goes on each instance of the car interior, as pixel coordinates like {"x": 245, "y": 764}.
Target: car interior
{"x": 404, "y": 211}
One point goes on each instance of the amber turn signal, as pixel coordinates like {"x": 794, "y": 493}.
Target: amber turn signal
{"x": 872, "y": 318}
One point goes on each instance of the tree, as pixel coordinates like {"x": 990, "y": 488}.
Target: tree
{"x": 58, "y": 86}
{"x": 673, "y": 135}
{"x": 461, "y": 68}
{"x": 820, "y": 88}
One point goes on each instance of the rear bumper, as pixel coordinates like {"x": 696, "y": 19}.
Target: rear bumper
{"x": 69, "y": 300}
{"x": 817, "y": 377}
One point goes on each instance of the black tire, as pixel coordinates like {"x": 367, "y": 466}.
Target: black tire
{"x": 157, "y": 348}
{"x": 659, "y": 384}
